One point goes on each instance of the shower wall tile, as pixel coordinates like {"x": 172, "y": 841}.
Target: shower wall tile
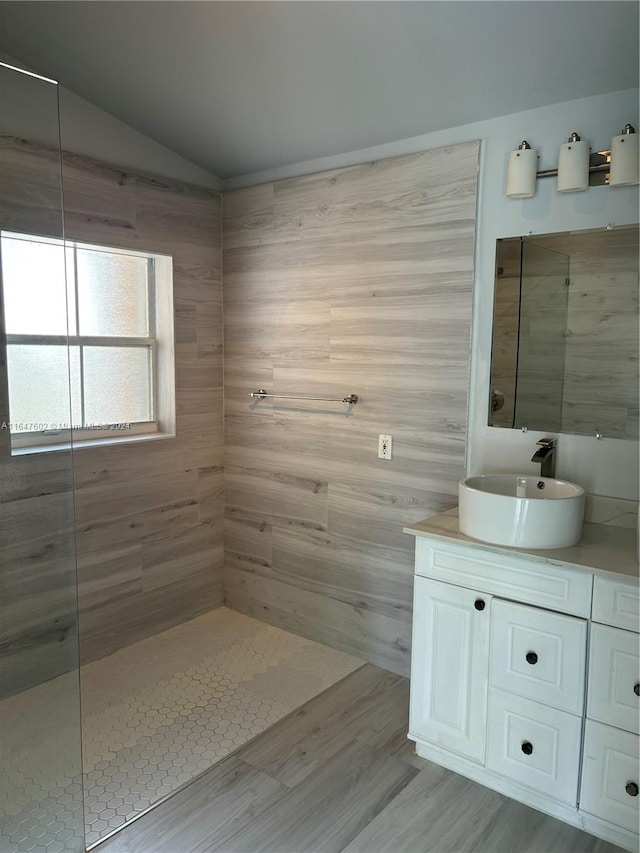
{"x": 149, "y": 514}
{"x": 357, "y": 281}
{"x": 38, "y": 611}
{"x": 30, "y": 180}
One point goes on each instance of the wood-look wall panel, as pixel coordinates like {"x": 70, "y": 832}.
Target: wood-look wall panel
{"x": 209, "y": 333}
{"x": 104, "y": 466}
{"x": 317, "y": 263}
{"x": 199, "y": 280}
{"x": 399, "y": 192}
{"x": 352, "y": 281}
{"x": 211, "y": 493}
{"x": 30, "y": 200}
{"x": 106, "y": 534}
{"x": 254, "y": 274}
{"x": 105, "y": 579}
{"x": 246, "y": 536}
{"x": 146, "y": 493}
{"x": 149, "y": 513}
{"x": 319, "y": 617}
{"x": 249, "y": 219}
{"x": 378, "y": 514}
{"x": 149, "y": 610}
{"x": 101, "y": 192}
{"x": 402, "y": 397}
{"x": 239, "y": 381}
{"x": 343, "y": 568}
{"x": 419, "y": 471}
{"x": 411, "y": 334}
{"x": 193, "y": 402}
{"x": 279, "y": 496}
{"x": 179, "y": 554}
{"x": 185, "y": 321}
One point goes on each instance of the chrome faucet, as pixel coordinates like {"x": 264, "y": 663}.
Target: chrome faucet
{"x": 546, "y": 456}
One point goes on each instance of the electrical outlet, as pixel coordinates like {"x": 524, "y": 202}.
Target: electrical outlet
{"x": 384, "y": 446}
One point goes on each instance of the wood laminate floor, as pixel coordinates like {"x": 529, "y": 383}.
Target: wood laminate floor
{"x": 336, "y": 775}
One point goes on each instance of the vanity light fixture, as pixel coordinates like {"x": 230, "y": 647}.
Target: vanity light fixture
{"x": 573, "y": 165}
{"x": 578, "y": 167}
{"x": 625, "y": 159}
{"x": 521, "y": 177}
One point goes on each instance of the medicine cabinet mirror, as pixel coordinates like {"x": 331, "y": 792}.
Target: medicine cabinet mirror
{"x": 565, "y": 333}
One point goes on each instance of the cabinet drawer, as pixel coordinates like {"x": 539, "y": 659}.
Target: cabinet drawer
{"x": 538, "y": 654}
{"x": 610, "y": 775}
{"x": 614, "y": 677}
{"x": 616, "y": 603}
{"x": 534, "y": 745}
{"x": 515, "y": 577}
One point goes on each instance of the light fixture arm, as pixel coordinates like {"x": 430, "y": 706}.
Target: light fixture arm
{"x": 599, "y": 163}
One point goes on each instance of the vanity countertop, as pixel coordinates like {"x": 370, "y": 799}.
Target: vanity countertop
{"x": 603, "y": 549}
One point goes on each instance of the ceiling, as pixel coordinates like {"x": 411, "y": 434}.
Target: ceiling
{"x": 240, "y": 87}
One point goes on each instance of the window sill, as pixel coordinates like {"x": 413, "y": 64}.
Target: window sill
{"x": 91, "y": 442}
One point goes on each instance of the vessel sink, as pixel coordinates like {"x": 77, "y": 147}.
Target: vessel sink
{"x": 521, "y": 511}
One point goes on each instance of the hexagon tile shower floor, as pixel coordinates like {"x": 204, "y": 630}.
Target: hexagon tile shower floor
{"x": 158, "y": 713}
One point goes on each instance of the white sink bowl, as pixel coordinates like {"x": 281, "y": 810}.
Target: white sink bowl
{"x": 521, "y": 511}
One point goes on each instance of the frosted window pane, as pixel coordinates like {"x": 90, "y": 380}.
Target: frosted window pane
{"x": 34, "y": 282}
{"x": 116, "y": 385}
{"x": 39, "y": 387}
{"x": 112, "y": 294}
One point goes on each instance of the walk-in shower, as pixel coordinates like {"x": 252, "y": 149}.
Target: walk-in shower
{"x": 123, "y": 675}
{"x": 40, "y": 736}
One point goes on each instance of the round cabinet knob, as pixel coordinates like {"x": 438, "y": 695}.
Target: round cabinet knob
{"x": 527, "y": 747}
{"x": 632, "y": 789}
{"x": 636, "y": 689}
{"x": 531, "y": 657}
{"x": 479, "y": 604}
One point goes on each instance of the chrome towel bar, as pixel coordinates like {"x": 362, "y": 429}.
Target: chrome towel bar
{"x": 352, "y": 399}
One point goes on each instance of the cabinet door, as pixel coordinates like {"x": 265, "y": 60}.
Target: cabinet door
{"x": 614, "y": 678}
{"x": 449, "y": 667}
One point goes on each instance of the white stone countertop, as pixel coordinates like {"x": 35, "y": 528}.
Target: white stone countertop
{"x": 603, "y": 549}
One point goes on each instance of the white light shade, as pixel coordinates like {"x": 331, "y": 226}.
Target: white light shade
{"x": 521, "y": 175}
{"x": 573, "y": 167}
{"x": 625, "y": 160}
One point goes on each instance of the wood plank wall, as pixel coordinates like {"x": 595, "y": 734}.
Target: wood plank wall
{"x": 148, "y": 515}
{"x": 358, "y": 281}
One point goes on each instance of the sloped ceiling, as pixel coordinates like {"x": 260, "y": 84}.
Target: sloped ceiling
{"x": 239, "y": 87}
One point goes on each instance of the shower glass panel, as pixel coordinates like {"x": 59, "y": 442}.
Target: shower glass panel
{"x": 41, "y": 807}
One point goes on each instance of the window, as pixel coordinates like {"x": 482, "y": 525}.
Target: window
{"x": 85, "y": 340}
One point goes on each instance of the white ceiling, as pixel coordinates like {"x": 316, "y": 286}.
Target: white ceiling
{"x": 239, "y": 87}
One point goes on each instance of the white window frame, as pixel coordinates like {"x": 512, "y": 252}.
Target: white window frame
{"x": 159, "y": 342}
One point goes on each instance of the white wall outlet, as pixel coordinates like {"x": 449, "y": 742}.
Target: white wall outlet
{"x": 384, "y": 446}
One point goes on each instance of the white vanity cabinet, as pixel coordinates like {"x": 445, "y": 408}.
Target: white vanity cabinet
{"x": 516, "y": 685}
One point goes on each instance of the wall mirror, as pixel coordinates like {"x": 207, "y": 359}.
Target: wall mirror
{"x": 565, "y": 333}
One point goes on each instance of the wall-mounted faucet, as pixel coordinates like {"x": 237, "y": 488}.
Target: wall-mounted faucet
{"x": 546, "y": 456}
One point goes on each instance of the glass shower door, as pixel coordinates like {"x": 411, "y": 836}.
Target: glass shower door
{"x": 41, "y": 807}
